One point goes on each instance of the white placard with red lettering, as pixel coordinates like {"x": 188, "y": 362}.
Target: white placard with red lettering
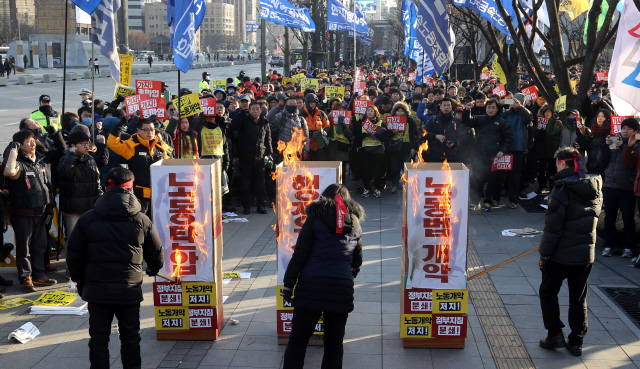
{"x": 153, "y": 106}
{"x": 412, "y": 76}
{"x": 484, "y": 76}
{"x": 303, "y": 182}
{"x": 360, "y": 106}
{"x": 359, "y": 87}
{"x": 530, "y": 93}
{"x": 370, "y": 127}
{"x": 500, "y": 91}
{"x": 616, "y": 123}
{"x": 505, "y": 162}
{"x": 151, "y": 88}
{"x": 397, "y": 123}
{"x": 602, "y": 76}
{"x": 209, "y": 106}
{"x": 133, "y": 103}
{"x": 335, "y": 114}
{"x": 433, "y": 262}
{"x": 182, "y": 212}
{"x": 541, "y": 123}
{"x": 428, "y": 80}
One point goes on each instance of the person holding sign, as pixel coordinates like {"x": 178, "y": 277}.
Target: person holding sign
{"x": 140, "y": 151}
{"x": 544, "y": 147}
{"x": 568, "y": 131}
{"x": 618, "y": 188}
{"x": 318, "y": 126}
{"x": 185, "y": 141}
{"x": 594, "y": 103}
{"x": 370, "y": 133}
{"x": 592, "y": 143}
{"x": 340, "y": 136}
{"x": 441, "y": 135}
{"x": 402, "y": 145}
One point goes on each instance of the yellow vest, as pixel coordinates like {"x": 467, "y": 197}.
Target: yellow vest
{"x": 368, "y": 141}
{"x": 41, "y": 119}
{"x": 204, "y": 85}
{"x": 339, "y": 136}
{"x": 404, "y": 136}
{"x": 212, "y": 143}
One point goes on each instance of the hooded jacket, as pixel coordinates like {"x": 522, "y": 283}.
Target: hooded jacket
{"x": 521, "y": 128}
{"x": 493, "y": 134}
{"x": 570, "y": 223}
{"x": 616, "y": 174}
{"x": 107, "y": 248}
{"x": 324, "y": 262}
{"x": 316, "y": 120}
{"x": 79, "y": 183}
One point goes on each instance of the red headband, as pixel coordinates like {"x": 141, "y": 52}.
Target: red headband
{"x": 127, "y": 185}
{"x": 341, "y": 211}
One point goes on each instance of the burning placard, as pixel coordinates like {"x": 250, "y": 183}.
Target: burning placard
{"x": 436, "y": 219}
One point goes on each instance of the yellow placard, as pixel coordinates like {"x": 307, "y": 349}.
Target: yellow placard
{"x": 286, "y": 80}
{"x": 189, "y": 105}
{"x": 218, "y": 83}
{"x": 415, "y": 325}
{"x": 171, "y": 318}
{"x": 386, "y": 65}
{"x": 573, "y": 84}
{"x": 18, "y": 301}
{"x": 309, "y": 83}
{"x": 56, "y": 298}
{"x": 199, "y": 294}
{"x": 231, "y": 275}
{"x": 126, "y": 63}
{"x": 450, "y": 301}
{"x": 334, "y": 91}
{"x": 561, "y": 104}
{"x": 299, "y": 76}
{"x": 123, "y": 91}
{"x": 321, "y": 75}
{"x": 280, "y": 301}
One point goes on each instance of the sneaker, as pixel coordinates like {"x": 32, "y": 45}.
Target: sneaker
{"x": 394, "y": 189}
{"x": 377, "y": 193}
{"x": 495, "y": 203}
{"x": 627, "y": 253}
{"x": 50, "y": 268}
{"x": 513, "y": 205}
{"x": 27, "y": 286}
{"x": 606, "y": 251}
{"x": 487, "y": 207}
{"x": 366, "y": 193}
{"x": 44, "y": 282}
{"x": 475, "y": 207}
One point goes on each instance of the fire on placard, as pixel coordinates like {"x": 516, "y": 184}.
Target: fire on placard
{"x": 186, "y": 234}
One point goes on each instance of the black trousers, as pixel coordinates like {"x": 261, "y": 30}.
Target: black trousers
{"x": 577, "y": 277}
{"x": 514, "y": 176}
{"x": 302, "y": 327}
{"x": 616, "y": 199}
{"x": 100, "y": 319}
{"x": 252, "y": 172}
{"x": 546, "y": 169}
{"x": 372, "y": 170}
{"x": 31, "y": 245}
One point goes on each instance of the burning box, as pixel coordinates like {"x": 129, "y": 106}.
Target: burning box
{"x": 299, "y": 183}
{"x": 434, "y": 261}
{"x": 187, "y": 212}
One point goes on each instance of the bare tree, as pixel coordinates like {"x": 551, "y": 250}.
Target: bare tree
{"x": 459, "y": 20}
{"x": 573, "y": 30}
{"x": 138, "y": 40}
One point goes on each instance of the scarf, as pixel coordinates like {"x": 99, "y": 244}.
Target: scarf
{"x": 599, "y": 131}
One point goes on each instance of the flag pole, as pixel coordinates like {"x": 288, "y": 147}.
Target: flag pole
{"x": 64, "y": 56}
{"x": 179, "y": 117}
{"x": 93, "y": 79}
{"x": 355, "y": 68}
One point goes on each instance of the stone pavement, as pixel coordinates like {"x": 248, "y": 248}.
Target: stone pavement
{"x": 372, "y": 335}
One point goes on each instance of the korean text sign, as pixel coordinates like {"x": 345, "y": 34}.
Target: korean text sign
{"x": 126, "y": 63}
{"x": 616, "y": 123}
{"x": 360, "y": 106}
{"x": 336, "y": 114}
{"x": 541, "y": 123}
{"x": 530, "y": 93}
{"x": 208, "y": 106}
{"x": 334, "y": 91}
{"x": 133, "y": 103}
{"x": 500, "y": 91}
{"x": 505, "y": 162}
{"x": 153, "y": 106}
{"x": 396, "y": 123}
{"x": 151, "y": 88}
{"x": 189, "y": 105}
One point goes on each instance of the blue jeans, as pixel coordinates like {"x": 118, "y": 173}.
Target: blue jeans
{"x": 625, "y": 201}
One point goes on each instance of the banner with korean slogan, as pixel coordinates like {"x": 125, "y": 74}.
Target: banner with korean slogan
{"x": 336, "y": 114}
{"x": 189, "y": 105}
{"x": 488, "y": 9}
{"x": 151, "y": 88}
{"x": 624, "y": 73}
{"x": 369, "y": 127}
{"x": 153, "y": 106}
{"x": 505, "y": 162}
{"x": 184, "y": 18}
{"x": 123, "y": 91}
{"x": 616, "y": 123}
{"x": 209, "y": 106}
{"x": 359, "y": 87}
{"x": 561, "y": 104}
{"x": 334, "y": 91}
{"x": 397, "y": 123}
{"x": 434, "y": 34}
{"x": 360, "y": 106}
{"x": 218, "y": 83}
{"x": 311, "y": 83}
{"x": 133, "y": 103}
{"x": 530, "y": 93}
{"x": 126, "y": 63}
{"x": 286, "y": 80}
{"x": 283, "y": 13}
{"x": 541, "y": 123}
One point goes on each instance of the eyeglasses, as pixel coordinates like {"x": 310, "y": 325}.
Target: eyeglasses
{"x": 86, "y": 143}
{"x": 148, "y": 130}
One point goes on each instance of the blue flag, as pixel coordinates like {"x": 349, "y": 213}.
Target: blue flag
{"x": 365, "y": 38}
{"x": 488, "y": 9}
{"x": 282, "y": 12}
{"x": 343, "y": 19}
{"x": 103, "y": 33}
{"x": 184, "y": 17}
{"x": 415, "y": 49}
{"x": 89, "y": 6}
{"x": 432, "y": 26}
{"x": 406, "y": 21}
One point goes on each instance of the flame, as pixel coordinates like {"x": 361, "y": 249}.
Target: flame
{"x": 422, "y": 148}
{"x": 444, "y": 202}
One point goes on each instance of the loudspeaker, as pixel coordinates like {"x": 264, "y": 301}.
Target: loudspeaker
{"x": 464, "y": 71}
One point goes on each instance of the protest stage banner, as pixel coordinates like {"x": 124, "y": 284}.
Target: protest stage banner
{"x": 397, "y": 123}
{"x": 126, "y": 63}
{"x": 298, "y": 184}
{"x": 334, "y": 91}
{"x": 209, "y": 106}
{"x": 434, "y": 255}
{"x": 153, "y": 106}
{"x": 616, "y": 123}
{"x": 360, "y": 106}
{"x": 530, "y": 93}
{"x": 541, "y": 123}
{"x": 189, "y": 105}
{"x": 505, "y": 162}
{"x": 187, "y": 198}
{"x": 151, "y": 88}
{"x": 123, "y": 91}
{"x": 336, "y": 114}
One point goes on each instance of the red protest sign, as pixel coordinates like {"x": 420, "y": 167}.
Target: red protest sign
{"x": 153, "y": 106}
{"x": 133, "y": 103}
{"x": 500, "y": 91}
{"x": 505, "y": 162}
{"x": 541, "y": 123}
{"x": 208, "y": 106}
{"x": 335, "y": 114}
{"x": 485, "y": 75}
{"x": 450, "y": 325}
{"x": 399, "y": 70}
{"x": 412, "y": 76}
{"x": 369, "y": 127}
{"x": 602, "y": 76}
{"x": 531, "y": 93}
{"x": 151, "y": 88}
{"x": 579, "y": 121}
{"x": 417, "y": 301}
{"x": 397, "y": 123}
{"x": 428, "y": 80}
{"x": 616, "y": 123}
{"x": 360, "y": 106}
{"x": 359, "y": 87}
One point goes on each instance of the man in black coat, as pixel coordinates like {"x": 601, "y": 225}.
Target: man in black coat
{"x": 251, "y": 136}
{"x": 567, "y": 249}
{"x": 105, "y": 255}
{"x": 441, "y": 134}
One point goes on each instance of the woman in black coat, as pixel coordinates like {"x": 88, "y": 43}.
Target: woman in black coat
{"x": 327, "y": 258}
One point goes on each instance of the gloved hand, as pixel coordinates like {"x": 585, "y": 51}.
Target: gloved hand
{"x": 281, "y": 105}
{"x": 120, "y": 98}
{"x": 123, "y": 121}
{"x": 151, "y": 273}
{"x": 50, "y": 129}
{"x": 543, "y": 262}
{"x": 317, "y": 134}
{"x": 287, "y": 294}
{"x": 14, "y": 145}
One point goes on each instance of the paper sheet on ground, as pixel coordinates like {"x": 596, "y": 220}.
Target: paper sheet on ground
{"x": 18, "y": 301}
{"x": 25, "y": 333}
{"x": 235, "y": 220}
{"x": 529, "y": 196}
{"x": 229, "y": 214}
{"x": 525, "y": 232}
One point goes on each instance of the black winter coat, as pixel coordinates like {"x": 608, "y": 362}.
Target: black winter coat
{"x": 442, "y": 124}
{"x": 324, "y": 262}
{"x": 251, "y": 140}
{"x": 107, "y": 248}
{"x": 616, "y": 174}
{"x": 493, "y": 134}
{"x": 79, "y": 183}
{"x": 570, "y": 223}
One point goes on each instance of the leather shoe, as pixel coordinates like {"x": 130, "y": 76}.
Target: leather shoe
{"x": 262, "y": 210}
{"x": 575, "y": 350}
{"x": 553, "y": 342}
